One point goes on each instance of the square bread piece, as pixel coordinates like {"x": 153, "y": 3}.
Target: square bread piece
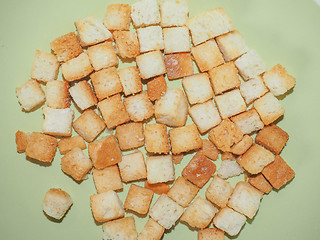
{"x": 66, "y": 47}
{"x": 130, "y": 136}
{"x": 76, "y": 164}
{"x": 156, "y": 87}
{"x": 248, "y": 121}
{"x": 104, "y": 152}
{"x": 76, "y": 68}
{"x": 150, "y": 38}
{"x": 83, "y": 95}
{"x": 205, "y": 116}
{"x": 172, "y": 108}
{"x": 197, "y": 88}
{"x": 56, "y": 203}
{"x": 152, "y": 230}
{"x": 45, "y": 67}
{"x": 107, "y": 179}
{"x": 30, "y": 95}
{"x": 208, "y": 25}
{"x": 253, "y": 89}
{"x": 211, "y": 234}
{"x": 120, "y": 229}
{"x": 219, "y": 191}
{"x": 145, "y": 13}
{"x": 230, "y": 103}
{"x": 89, "y": 125}
{"x": 21, "y": 141}
{"x": 57, "y": 122}
{"x": 199, "y": 170}
{"x": 229, "y": 221}
{"x": 224, "y": 78}
{"x": 173, "y": 13}
{"x": 102, "y": 55}
{"x": 260, "y": 183}
{"x": 272, "y": 138}
{"x": 107, "y": 206}
{"x": 132, "y": 167}
{"x": 57, "y": 93}
{"x": 151, "y": 64}
{"x": 67, "y": 144}
{"x": 158, "y": 188}
{"x": 255, "y": 159}
{"x": 242, "y": 146}
{"x": 250, "y": 65}
{"x": 176, "y": 39}
{"x": 117, "y": 17}
{"x": 113, "y": 111}
{"x": 269, "y": 108}
{"x": 232, "y": 45}
{"x": 278, "y": 173}
{"x": 178, "y": 65}
{"x": 209, "y": 150}
{"x": 183, "y": 191}
{"x": 127, "y": 44}
{"x": 130, "y": 80}
{"x": 229, "y": 168}
{"x": 166, "y": 211}
{"x": 184, "y": 139}
{"x": 199, "y": 213}
{"x": 156, "y": 138}
{"x": 139, "y": 107}
{"x": 91, "y": 31}
{"x": 160, "y": 169}
{"x": 138, "y": 199}
{"x": 106, "y": 83}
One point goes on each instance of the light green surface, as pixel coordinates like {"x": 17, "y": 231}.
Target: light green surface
{"x": 285, "y": 32}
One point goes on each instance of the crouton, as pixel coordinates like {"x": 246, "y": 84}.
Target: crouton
{"x": 117, "y": 17}
{"x": 107, "y": 179}
{"x": 21, "y": 141}
{"x": 152, "y": 230}
{"x": 151, "y": 64}
{"x": 145, "y": 13}
{"x": 138, "y": 199}
{"x": 260, "y": 183}
{"x": 210, "y": 234}
{"x": 57, "y": 94}
{"x": 123, "y": 228}
{"x": 150, "y": 38}
{"x": 160, "y": 169}
{"x": 178, "y": 65}
{"x": 45, "y": 67}
{"x": 156, "y": 87}
{"x": 76, "y": 68}
{"x": 227, "y": 156}
{"x": 83, "y": 95}
{"x": 253, "y": 89}
{"x": 67, "y": 144}
{"x": 139, "y": 107}
{"x": 242, "y": 146}
{"x": 127, "y": 44}
{"x": 209, "y": 150}
{"x": 248, "y": 121}
{"x": 228, "y": 169}
{"x": 156, "y": 138}
{"x": 176, "y": 39}
{"x": 130, "y": 80}
{"x": 130, "y": 136}
{"x": 132, "y": 167}
{"x": 173, "y": 13}
{"x": 102, "y": 55}
{"x": 158, "y": 188}
{"x": 219, "y": 191}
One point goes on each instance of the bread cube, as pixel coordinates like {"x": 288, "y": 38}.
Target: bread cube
{"x": 132, "y": 167}
{"x": 152, "y": 230}
{"x": 57, "y": 122}
{"x": 56, "y": 203}
{"x": 158, "y": 188}
{"x": 139, "y": 107}
{"x": 166, "y": 211}
{"x": 156, "y": 138}
{"x": 21, "y": 141}
{"x": 229, "y": 168}
{"x": 102, "y": 55}
{"x": 30, "y": 95}
{"x": 45, "y": 67}
{"x": 156, "y": 87}
{"x": 130, "y": 136}
{"x": 242, "y": 146}
{"x": 113, "y": 111}
{"x": 151, "y": 64}
{"x": 150, "y": 38}
{"x": 219, "y": 191}
{"x": 107, "y": 206}
{"x": 210, "y": 234}
{"x": 138, "y": 199}
{"x": 230, "y": 103}
{"x": 227, "y": 156}
{"x": 184, "y": 139}
{"x": 107, "y": 179}
{"x": 248, "y": 121}
{"x": 197, "y": 88}
{"x": 145, "y": 13}
{"x": 130, "y": 80}
{"x": 183, "y": 191}
{"x": 67, "y": 144}
{"x": 76, "y": 68}
{"x": 160, "y": 169}
{"x": 57, "y": 94}
{"x": 178, "y": 65}
{"x": 123, "y": 228}
{"x": 91, "y": 31}
{"x": 83, "y": 95}
{"x": 117, "y": 17}
{"x": 127, "y": 44}
{"x": 172, "y": 108}
{"x": 260, "y": 183}
{"x": 224, "y": 78}
{"x": 269, "y": 108}
{"x": 173, "y": 13}
{"x": 66, "y": 47}
{"x": 176, "y": 39}
{"x": 209, "y": 150}
{"x": 253, "y": 89}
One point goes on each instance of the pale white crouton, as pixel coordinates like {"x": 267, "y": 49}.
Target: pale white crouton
{"x": 176, "y": 39}
{"x": 107, "y": 179}
{"x": 145, "y": 13}
{"x": 83, "y": 95}
{"x": 173, "y": 13}
{"x": 160, "y": 169}
{"x": 45, "y": 67}
{"x": 57, "y": 94}
{"x": 253, "y": 89}
{"x": 120, "y": 229}
{"x": 117, "y": 17}
{"x": 152, "y": 230}
{"x": 228, "y": 169}
{"x": 102, "y": 55}
{"x": 139, "y": 107}
{"x": 150, "y": 38}
{"x": 130, "y": 80}
{"x": 248, "y": 121}
{"x": 219, "y": 191}
{"x": 151, "y": 64}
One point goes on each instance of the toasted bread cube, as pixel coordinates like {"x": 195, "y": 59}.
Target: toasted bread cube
{"x": 145, "y": 13}
{"x": 166, "y": 211}
{"x": 130, "y": 80}
{"x": 30, "y": 95}
{"x": 150, "y": 38}
{"x": 184, "y": 139}
{"x": 139, "y": 107}
{"x": 229, "y": 221}
{"x": 151, "y": 64}
{"x": 45, "y": 67}
{"x": 67, "y": 144}
{"x": 278, "y": 173}
{"x": 127, "y": 44}
{"x": 132, "y": 167}
{"x": 152, "y": 230}
{"x": 57, "y": 122}
{"x": 229, "y": 168}
{"x": 107, "y": 206}
{"x": 260, "y": 183}
{"x": 119, "y": 229}
{"x": 269, "y": 108}
{"x": 130, "y": 136}
{"x": 199, "y": 170}
{"x": 91, "y": 31}
{"x": 255, "y": 159}
{"x": 104, "y": 152}
{"x": 83, "y": 95}
{"x": 209, "y": 150}
{"x": 156, "y": 87}
{"x": 178, "y": 65}
{"x": 21, "y": 141}
{"x": 176, "y": 39}
{"x": 138, "y": 199}
{"x": 224, "y": 78}
{"x": 57, "y": 94}
{"x": 102, "y": 55}
{"x": 253, "y": 89}
{"x": 199, "y": 213}
{"x": 219, "y": 191}
{"x": 76, "y": 68}
{"x": 160, "y": 169}
{"x": 198, "y": 88}
{"x": 248, "y": 121}
{"x": 172, "y": 108}
{"x": 211, "y": 234}
{"x": 113, "y": 111}
{"x": 117, "y": 17}
{"x": 183, "y": 191}
{"x": 66, "y": 47}
{"x": 230, "y": 103}
{"x": 208, "y": 25}
{"x": 107, "y": 179}
{"x": 242, "y": 146}
{"x": 156, "y": 138}
{"x": 225, "y": 135}
{"x": 56, "y": 203}
{"x": 158, "y": 188}
{"x": 173, "y": 13}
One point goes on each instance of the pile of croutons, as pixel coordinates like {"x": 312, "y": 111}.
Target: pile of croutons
{"x": 231, "y": 116}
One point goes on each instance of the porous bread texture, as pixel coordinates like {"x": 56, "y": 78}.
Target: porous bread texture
{"x": 176, "y": 39}
{"x": 68, "y": 143}
{"x": 45, "y": 67}
{"x": 145, "y": 13}
{"x": 248, "y": 121}
{"x": 152, "y": 230}
{"x": 120, "y": 229}
{"x": 211, "y": 234}
{"x": 130, "y": 136}
{"x": 150, "y": 38}
{"x": 130, "y": 80}
{"x": 57, "y": 94}
{"x": 83, "y": 95}
{"x": 173, "y": 13}
{"x": 117, "y": 17}
{"x": 219, "y": 191}
{"x": 139, "y": 107}
{"x": 127, "y": 44}
{"x": 21, "y": 141}
{"x": 102, "y": 55}
{"x": 156, "y": 138}
{"x": 253, "y": 89}
{"x": 107, "y": 179}
{"x": 160, "y": 169}
{"x": 229, "y": 168}
{"x": 151, "y": 64}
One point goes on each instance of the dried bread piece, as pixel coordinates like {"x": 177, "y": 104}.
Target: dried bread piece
{"x": 123, "y": 228}
{"x": 173, "y": 13}
{"x": 130, "y": 136}
{"x": 253, "y": 89}
{"x": 158, "y": 188}
{"x": 156, "y": 138}
{"x": 260, "y": 183}
{"x": 242, "y": 146}
{"x": 45, "y": 67}
{"x": 229, "y": 168}
{"x": 151, "y": 64}
{"x": 178, "y": 65}
{"x": 117, "y": 17}
{"x": 150, "y": 38}
{"x": 152, "y": 230}
{"x": 138, "y": 199}
{"x": 156, "y": 87}
{"x": 176, "y": 39}
{"x": 248, "y": 121}
{"x": 83, "y": 95}
{"x": 210, "y": 234}
{"x": 145, "y": 13}
{"x": 160, "y": 169}
{"x": 57, "y": 94}
{"x": 21, "y": 141}
{"x": 219, "y": 191}
{"x": 102, "y": 55}
{"x": 130, "y": 80}
{"x": 127, "y": 44}
{"x": 107, "y": 179}
{"x": 139, "y": 107}
{"x": 209, "y": 150}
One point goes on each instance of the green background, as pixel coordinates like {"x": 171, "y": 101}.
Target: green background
{"x": 286, "y": 32}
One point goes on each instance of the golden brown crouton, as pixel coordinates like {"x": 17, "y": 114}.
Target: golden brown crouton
{"x": 260, "y": 183}
{"x": 178, "y": 65}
